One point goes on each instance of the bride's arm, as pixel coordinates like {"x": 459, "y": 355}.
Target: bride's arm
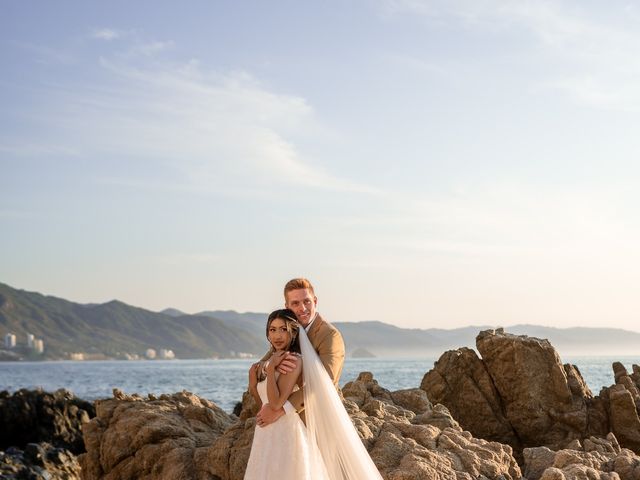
{"x": 278, "y": 392}
{"x": 253, "y": 382}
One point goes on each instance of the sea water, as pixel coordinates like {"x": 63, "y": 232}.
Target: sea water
{"x": 224, "y": 381}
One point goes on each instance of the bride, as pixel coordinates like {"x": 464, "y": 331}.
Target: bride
{"x": 329, "y": 448}
{"x": 282, "y": 449}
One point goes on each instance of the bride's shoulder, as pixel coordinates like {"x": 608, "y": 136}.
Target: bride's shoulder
{"x": 297, "y": 358}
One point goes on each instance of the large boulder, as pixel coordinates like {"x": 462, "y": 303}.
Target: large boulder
{"x": 460, "y": 380}
{"x": 154, "y": 438}
{"x": 534, "y": 388}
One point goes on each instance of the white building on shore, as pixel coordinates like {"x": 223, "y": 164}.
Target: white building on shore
{"x": 10, "y": 340}
{"x": 167, "y": 354}
{"x": 30, "y": 340}
{"x": 38, "y": 345}
{"x": 150, "y": 353}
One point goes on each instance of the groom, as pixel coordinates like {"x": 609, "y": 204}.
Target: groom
{"x": 325, "y": 338}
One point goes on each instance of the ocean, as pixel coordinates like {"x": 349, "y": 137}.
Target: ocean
{"x": 223, "y": 381}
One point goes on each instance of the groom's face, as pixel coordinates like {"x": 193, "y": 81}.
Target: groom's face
{"x": 303, "y": 303}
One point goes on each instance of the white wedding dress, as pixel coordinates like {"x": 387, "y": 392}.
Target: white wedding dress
{"x": 281, "y": 450}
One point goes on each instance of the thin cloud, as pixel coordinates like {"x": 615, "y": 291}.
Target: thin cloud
{"x": 150, "y": 49}
{"x": 107, "y": 34}
{"x": 218, "y": 129}
{"x": 594, "y": 60}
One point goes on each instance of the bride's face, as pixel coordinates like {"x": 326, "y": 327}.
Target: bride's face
{"x": 279, "y": 336}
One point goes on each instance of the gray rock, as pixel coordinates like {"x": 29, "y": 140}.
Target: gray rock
{"x": 34, "y": 416}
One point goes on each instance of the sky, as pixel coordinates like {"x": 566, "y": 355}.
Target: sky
{"x": 423, "y": 163}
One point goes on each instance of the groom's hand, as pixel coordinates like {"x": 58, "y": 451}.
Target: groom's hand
{"x": 288, "y": 363}
{"x": 267, "y": 415}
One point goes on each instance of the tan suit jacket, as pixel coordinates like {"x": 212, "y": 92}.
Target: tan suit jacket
{"x": 327, "y": 341}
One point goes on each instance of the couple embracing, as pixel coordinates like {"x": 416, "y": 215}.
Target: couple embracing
{"x": 302, "y": 430}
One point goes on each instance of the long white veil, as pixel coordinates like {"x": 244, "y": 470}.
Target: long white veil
{"x": 328, "y": 423}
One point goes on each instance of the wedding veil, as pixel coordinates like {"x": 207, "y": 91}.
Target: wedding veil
{"x": 328, "y": 423}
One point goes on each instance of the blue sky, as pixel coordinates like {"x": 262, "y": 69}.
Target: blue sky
{"x": 425, "y": 163}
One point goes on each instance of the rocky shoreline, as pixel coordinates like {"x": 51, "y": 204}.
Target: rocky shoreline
{"x": 41, "y": 434}
{"x": 513, "y": 412}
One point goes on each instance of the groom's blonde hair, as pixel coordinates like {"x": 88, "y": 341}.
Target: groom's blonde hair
{"x": 297, "y": 284}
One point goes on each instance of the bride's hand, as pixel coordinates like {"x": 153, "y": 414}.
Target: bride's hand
{"x": 275, "y": 360}
{"x": 288, "y": 364}
{"x": 253, "y": 374}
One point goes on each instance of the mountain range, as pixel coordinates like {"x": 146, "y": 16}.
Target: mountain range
{"x": 117, "y": 330}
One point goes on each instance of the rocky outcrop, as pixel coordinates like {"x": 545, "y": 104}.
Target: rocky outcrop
{"x": 518, "y": 392}
{"x": 41, "y": 433}
{"x": 595, "y": 458}
{"x": 407, "y": 437}
{"x": 184, "y": 436}
{"x": 39, "y": 461}
{"x": 168, "y": 437}
{"x": 33, "y": 416}
{"x": 622, "y": 401}
{"x": 461, "y": 381}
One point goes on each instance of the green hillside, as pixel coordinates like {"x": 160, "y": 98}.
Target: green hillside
{"x": 114, "y": 329}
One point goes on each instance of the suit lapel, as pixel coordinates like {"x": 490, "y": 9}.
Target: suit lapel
{"x": 315, "y": 328}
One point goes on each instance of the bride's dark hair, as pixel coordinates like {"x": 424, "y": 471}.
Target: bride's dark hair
{"x": 292, "y": 324}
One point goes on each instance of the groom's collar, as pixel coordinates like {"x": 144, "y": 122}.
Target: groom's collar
{"x": 308, "y": 327}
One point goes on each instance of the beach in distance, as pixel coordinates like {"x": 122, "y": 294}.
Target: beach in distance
{"x": 224, "y": 381}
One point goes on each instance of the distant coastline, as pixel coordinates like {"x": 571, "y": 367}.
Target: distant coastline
{"x": 39, "y": 327}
